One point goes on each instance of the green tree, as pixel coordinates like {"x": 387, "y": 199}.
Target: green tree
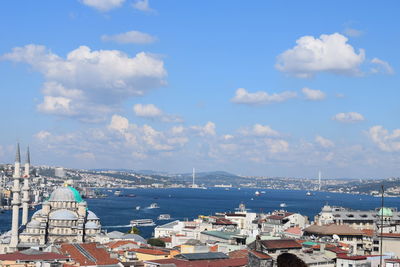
{"x": 134, "y": 230}
{"x": 156, "y": 242}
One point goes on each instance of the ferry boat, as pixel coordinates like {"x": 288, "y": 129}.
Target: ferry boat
{"x": 308, "y": 193}
{"x": 283, "y": 205}
{"x": 257, "y": 193}
{"x": 163, "y": 217}
{"x": 154, "y": 206}
{"x": 142, "y": 222}
{"x": 117, "y": 192}
{"x": 137, "y": 207}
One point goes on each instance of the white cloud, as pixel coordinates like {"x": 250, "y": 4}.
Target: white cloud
{"x": 150, "y": 111}
{"x": 328, "y": 53}
{"x": 264, "y": 130}
{"x": 42, "y": 135}
{"x": 103, "y": 5}
{"x": 119, "y": 123}
{"x": 242, "y": 96}
{"x": 277, "y": 146}
{"x": 207, "y": 130}
{"x": 381, "y": 66}
{"x": 85, "y": 156}
{"x": 314, "y": 95}
{"x": 131, "y": 37}
{"x": 348, "y": 117}
{"x": 90, "y": 84}
{"x": 386, "y": 141}
{"x": 324, "y": 142}
{"x": 142, "y": 5}
{"x": 352, "y": 32}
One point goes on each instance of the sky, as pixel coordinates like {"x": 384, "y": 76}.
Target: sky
{"x": 269, "y": 88}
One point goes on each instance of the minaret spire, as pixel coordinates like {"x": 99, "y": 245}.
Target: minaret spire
{"x": 16, "y": 200}
{"x": 25, "y": 189}
{"x": 17, "y": 165}
{"x": 18, "y": 154}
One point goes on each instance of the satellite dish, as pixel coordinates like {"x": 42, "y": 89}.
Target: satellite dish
{"x": 335, "y": 237}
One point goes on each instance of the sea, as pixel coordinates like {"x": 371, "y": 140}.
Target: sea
{"x": 115, "y": 212}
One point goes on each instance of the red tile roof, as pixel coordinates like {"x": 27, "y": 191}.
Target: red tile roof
{"x": 117, "y": 244}
{"x": 260, "y": 254}
{"x": 150, "y": 251}
{"x": 101, "y": 256}
{"x": 281, "y": 243}
{"x": 354, "y": 258}
{"x": 204, "y": 263}
{"x": 294, "y": 230}
{"x": 45, "y": 256}
{"x": 241, "y": 253}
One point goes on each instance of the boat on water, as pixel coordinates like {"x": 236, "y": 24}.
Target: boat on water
{"x": 117, "y": 192}
{"x": 283, "y": 205}
{"x": 154, "y": 206}
{"x": 308, "y": 193}
{"x": 142, "y": 222}
{"x": 257, "y": 193}
{"x": 163, "y": 217}
{"x": 137, "y": 207}
{"x": 262, "y": 192}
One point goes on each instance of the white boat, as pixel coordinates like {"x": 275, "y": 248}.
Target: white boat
{"x": 154, "y": 206}
{"x": 257, "y": 193}
{"x": 137, "y": 208}
{"x": 283, "y": 205}
{"x": 162, "y": 217}
{"x": 262, "y": 192}
{"x": 117, "y": 192}
{"x": 142, "y": 222}
{"x": 308, "y": 193}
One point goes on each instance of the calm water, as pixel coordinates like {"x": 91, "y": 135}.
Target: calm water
{"x": 116, "y": 212}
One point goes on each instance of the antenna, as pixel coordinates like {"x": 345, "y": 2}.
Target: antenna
{"x": 193, "y": 175}
{"x": 319, "y": 181}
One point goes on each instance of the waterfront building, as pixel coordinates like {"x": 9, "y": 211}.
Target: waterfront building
{"x": 360, "y": 219}
{"x": 277, "y": 222}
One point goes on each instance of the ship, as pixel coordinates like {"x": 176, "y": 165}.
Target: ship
{"x": 308, "y": 193}
{"x": 283, "y": 205}
{"x": 117, "y": 193}
{"x": 257, "y": 193}
{"x": 137, "y": 207}
{"x": 142, "y": 222}
{"x": 163, "y": 217}
{"x": 154, "y": 206}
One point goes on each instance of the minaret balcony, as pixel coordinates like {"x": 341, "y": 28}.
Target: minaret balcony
{"x": 25, "y": 199}
{"x": 16, "y": 190}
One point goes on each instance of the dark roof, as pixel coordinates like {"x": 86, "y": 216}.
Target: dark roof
{"x": 202, "y": 256}
{"x": 281, "y": 243}
{"x": 30, "y": 255}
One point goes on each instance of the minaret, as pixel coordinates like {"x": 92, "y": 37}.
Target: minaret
{"x": 25, "y": 189}
{"x": 15, "y": 201}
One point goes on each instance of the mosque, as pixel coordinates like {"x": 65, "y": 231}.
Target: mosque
{"x": 64, "y": 216}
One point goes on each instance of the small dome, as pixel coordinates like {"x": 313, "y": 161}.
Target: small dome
{"x": 63, "y": 214}
{"x": 326, "y": 208}
{"x": 37, "y": 213}
{"x": 386, "y": 212}
{"x": 91, "y": 215}
{"x": 33, "y": 224}
{"x": 91, "y": 225}
{"x": 66, "y": 193}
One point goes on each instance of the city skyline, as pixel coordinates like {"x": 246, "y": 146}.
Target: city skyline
{"x": 271, "y": 89}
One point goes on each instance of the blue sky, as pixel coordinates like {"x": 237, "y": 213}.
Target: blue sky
{"x": 282, "y": 88}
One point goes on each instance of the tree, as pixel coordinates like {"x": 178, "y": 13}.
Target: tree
{"x": 156, "y": 242}
{"x": 134, "y": 230}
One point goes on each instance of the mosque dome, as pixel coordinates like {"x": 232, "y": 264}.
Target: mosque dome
{"x": 66, "y": 193}
{"x": 385, "y": 212}
{"x": 37, "y": 213}
{"x": 91, "y": 215}
{"x": 91, "y": 225}
{"x": 63, "y": 214}
{"x": 33, "y": 224}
